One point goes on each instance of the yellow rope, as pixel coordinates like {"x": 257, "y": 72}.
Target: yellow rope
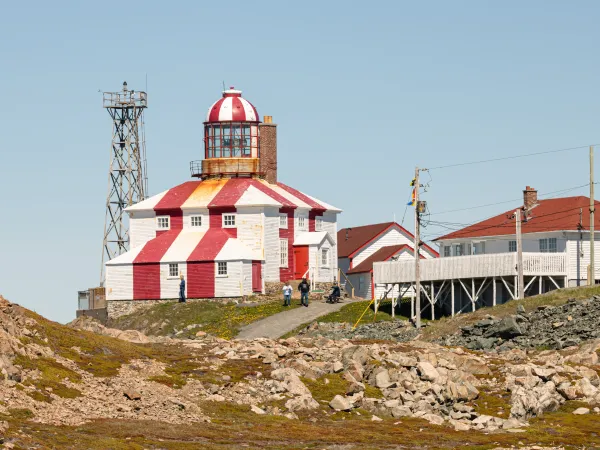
{"x": 361, "y": 316}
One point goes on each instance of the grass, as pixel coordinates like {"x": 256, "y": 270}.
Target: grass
{"x": 219, "y": 319}
{"x": 51, "y": 378}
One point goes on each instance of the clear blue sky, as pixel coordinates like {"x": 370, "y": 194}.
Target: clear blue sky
{"x": 362, "y": 92}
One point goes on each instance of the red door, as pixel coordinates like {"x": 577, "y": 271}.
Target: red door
{"x": 300, "y": 261}
{"x": 256, "y": 276}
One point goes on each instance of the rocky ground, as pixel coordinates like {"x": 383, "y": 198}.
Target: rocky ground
{"x": 277, "y": 393}
{"x": 399, "y": 331}
{"x": 553, "y": 327}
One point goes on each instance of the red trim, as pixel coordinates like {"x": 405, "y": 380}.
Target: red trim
{"x": 209, "y": 246}
{"x": 256, "y": 276}
{"x": 312, "y": 215}
{"x": 176, "y": 197}
{"x": 238, "y": 113}
{"x": 146, "y": 281}
{"x": 215, "y": 220}
{"x": 215, "y": 110}
{"x": 230, "y": 193}
{"x": 155, "y": 249}
{"x": 367, "y": 264}
{"x": 201, "y": 279}
{"x": 273, "y": 194}
{"x": 309, "y": 201}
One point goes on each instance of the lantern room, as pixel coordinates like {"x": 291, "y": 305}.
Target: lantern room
{"x": 231, "y": 138}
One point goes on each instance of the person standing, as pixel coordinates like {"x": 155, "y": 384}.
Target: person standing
{"x": 287, "y": 294}
{"x": 304, "y": 289}
{"x": 182, "y": 289}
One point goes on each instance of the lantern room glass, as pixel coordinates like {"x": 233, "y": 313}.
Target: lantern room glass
{"x": 231, "y": 140}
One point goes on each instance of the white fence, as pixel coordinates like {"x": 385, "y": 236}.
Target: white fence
{"x": 475, "y": 266}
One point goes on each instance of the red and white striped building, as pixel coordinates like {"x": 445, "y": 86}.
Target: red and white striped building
{"x": 232, "y": 230}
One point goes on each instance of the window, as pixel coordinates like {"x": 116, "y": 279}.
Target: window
{"x": 447, "y": 250}
{"x": 548, "y": 245}
{"x": 283, "y": 219}
{"x": 302, "y": 223}
{"x": 512, "y": 246}
{"x": 469, "y": 249}
{"x": 361, "y": 282}
{"x": 222, "y": 269}
{"x": 196, "y": 221}
{"x": 318, "y": 223}
{"x": 173, "y": 270}
{"x": 459, "y": 249}
{"x": 228, "y": 220}
{"x": 325, "y": 257}
{"x": 283, "y": 252}
{"x": 162, "y": 222}
{"x": 479, "y": 248}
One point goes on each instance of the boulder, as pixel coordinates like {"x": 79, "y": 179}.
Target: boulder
{"x": 255, "y": 409}
{"x": 356, "y": 354}
{"x": 401, "y": 411}
{"x": 302, "y": 402}
{"x": 337, "y": 367}
{"x": 581, "y": 411}
{"x": 427, "y": 371}
{"x": 433, "y": 418}
{"x": 382, "y": 379}
{"x": 376, "y": 419}
{"x": 340, "y": 403}
{"x": 130, "y": 394}
{"x": 459, "y": 425}
{"x": 507, "y": 328}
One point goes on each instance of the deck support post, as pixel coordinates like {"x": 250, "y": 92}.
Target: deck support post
{"x": 412, "y": 303}
{"x": 394, "y": 301}
{"x": 432, "y": 301}
{"x": 494, "y": 291}
{"x": 473, "y": 295}
{"x": 516, "y": 287}
{"x": 540, "y": 285}
{"x": 452, "y": 296}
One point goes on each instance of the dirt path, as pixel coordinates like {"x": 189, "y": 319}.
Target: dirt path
{"x": 279, "y": 324}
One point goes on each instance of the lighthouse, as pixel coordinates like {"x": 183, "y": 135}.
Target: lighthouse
{"x": 233, "y": 230}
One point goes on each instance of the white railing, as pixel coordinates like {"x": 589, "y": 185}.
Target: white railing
{"x": 473, "y": 266}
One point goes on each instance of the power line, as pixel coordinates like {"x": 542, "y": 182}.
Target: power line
{"x": 509, "y": 157}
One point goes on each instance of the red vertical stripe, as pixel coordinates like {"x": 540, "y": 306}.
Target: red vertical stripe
{"x": 201, "y": 279}
{"x": 273, "y": 194}
{"x": 213, "y": 116}
{"x": 209, "y": 246}
{"x": 176, "y": 197}
{"x": 146, "y": 281}
{"x": 230, "y": 193}
{"x": 155, "y": 249}
{"x": 309, "y": 201}
{"x": 238, "y": 111}
{"x": 312, "y": 215}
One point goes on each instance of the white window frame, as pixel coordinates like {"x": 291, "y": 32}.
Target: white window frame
{"x": 302, "y": 222}
{"x": 229, "y": 218}
{"x": 478, "y": 245}
{"x": 361, "y": 282}
{"x": 283, "y": 253}
{"x": 552, "y": 245}
{"x": 222, "y": 269}
{"x": 325, "y": 257}
{"x": 197, "y": 219}
{"x": 511, "y": 245}
{"x": 163, "y": 222}
{"x": 283, "y": 221}
{"x": 447, "y": 251}
{"x": 459, "y": 246}
{"x": 173, "y": 273}
{"x": 319, "y": 223}
{"x": 544, "y": 245}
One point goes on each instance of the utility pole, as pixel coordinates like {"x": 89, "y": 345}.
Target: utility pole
{"x": 592, "y": 277}
{"x": 417, "y": 244}
{"x": 520, "y": 279}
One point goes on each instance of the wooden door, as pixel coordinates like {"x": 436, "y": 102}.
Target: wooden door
{"x": 300, "y": 261}
{"x": 256, "y": 276}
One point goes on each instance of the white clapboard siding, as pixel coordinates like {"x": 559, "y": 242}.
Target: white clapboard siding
{"x": 230, "y": 285}
{"x": 476, "y": 266}
{"x": 390, "y": 237}
{"x": 169, "y": 286}
{"x": 249, "y": 223}
{"x": 187, "y": 221}
{"x": 142, "y": 228}
{"x": 361, "y": 290}
{"x": 247, "y": 277}
{"x": 119, "y": 282}
{"x": 330, "y": 225}
{"x": 271, "y": 244}
{"x": 578, "y": 254}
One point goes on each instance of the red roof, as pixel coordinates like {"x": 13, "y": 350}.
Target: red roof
{"x": 352, "y": 239}
{"x": 383, "y": 254}
{"x": 556, "y": 214}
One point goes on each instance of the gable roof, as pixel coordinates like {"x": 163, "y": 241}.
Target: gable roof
{"x": 556, "y": 214}
{"x": 352, "y": 239}
{"x": 312, "y": 238}
{"x": 383, "y": 254}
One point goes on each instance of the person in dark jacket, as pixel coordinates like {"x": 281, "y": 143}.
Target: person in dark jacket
{"x": 335, "y": 294}
{"x": 304, "y": 289}
{"x": 182, "y": 289}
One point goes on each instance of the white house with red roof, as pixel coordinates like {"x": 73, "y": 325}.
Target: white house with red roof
{"x": 478, "y": 264}
{"x": 359, "y": 247}
{"x": 232, "y": 230}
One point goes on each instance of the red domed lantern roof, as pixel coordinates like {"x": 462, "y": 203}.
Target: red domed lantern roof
{"x": 232, "y": 108}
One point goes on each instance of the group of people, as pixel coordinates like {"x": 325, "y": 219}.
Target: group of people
{"x": 304, "y": 288}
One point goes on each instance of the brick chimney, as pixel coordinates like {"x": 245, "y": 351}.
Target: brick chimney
{"x": 268, "y": 149}
{"x": 529, "y": 198}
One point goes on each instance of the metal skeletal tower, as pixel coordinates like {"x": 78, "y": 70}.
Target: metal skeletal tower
{"x": 127, "y": 177}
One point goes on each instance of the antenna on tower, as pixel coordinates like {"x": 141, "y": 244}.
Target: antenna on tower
{"x": 127, "y": 173}
{"x": 223, "y": 85}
